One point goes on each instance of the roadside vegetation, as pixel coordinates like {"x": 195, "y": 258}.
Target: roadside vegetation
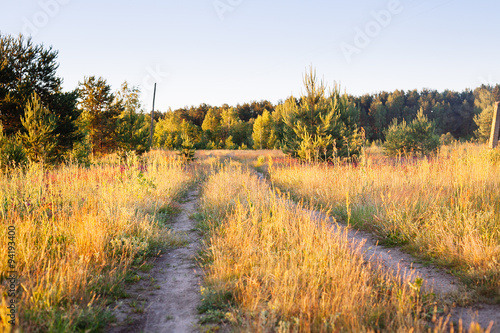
{"x": 271, "y": 267}
{"x": 444, "y": 209}
{"x": 78, "y": 232}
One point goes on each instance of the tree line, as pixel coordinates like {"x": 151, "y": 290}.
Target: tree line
{"x": 41, "y": 123}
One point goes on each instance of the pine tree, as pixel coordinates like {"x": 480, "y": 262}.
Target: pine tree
{"x": 99, "y": 112}
{"x": 187, "y": 151}
{"x": 417, "y": 138}
{"x": 321, "y": 127}
{"x": 26, "y": 68}
{"x": 132, "y": 130}
{"x": 378, "y": 116}
{"x": 39, "y": 139}
{"x": 423, "y": 135}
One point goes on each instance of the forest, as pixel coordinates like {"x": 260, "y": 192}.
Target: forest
{"x": 41, "y": 122}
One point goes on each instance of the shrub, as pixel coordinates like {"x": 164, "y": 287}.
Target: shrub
{"x": 12, "y": 152}
{"x": 187, "y": 150}
{"x": 447, "y": 139}
{"x": 81, "y": 153}
{"x": 417, "y": 138}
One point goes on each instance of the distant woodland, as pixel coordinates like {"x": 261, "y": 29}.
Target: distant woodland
{"x": 42, "y": 123}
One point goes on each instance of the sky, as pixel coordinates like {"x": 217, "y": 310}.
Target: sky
{"x": 237, "y": 51}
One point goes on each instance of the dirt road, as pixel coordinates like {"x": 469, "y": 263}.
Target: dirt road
{"x": 166, "y": 299}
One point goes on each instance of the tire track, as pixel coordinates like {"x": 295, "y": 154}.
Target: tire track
{"x": 404, "y": 266}
{"x": 171, "y": 294}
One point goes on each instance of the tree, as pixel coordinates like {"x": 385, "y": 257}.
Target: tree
{"x": 496, "y": 93}
{"x": 229, "y": 119}
{"x": 418, "y": 138}
{"x": 99, "y": 112}
{"x": 132, "y": 130}
{"x": 395, "y": 105}
{"x": 26, "y": 68}
{"x": 210, "y": 125}
{"x": 483, "y": 122}
{"x": 39, "y": 139}
{"x": 397, "y": 138}
{"x": 171, "y": 131}
{"x": 187, "y": 151}
{"x": 264, "y": 135}
{"x": 279, "y": 115}
{"x": 167, "y": 132}
{"x": 64, "y": 105}
{"x": 252, "y": 110}
{"x": 241, "y": 133}
{"x": 378, "y": 116}
{"x": 321, "y": 127}
{"x": 484, "y": 102}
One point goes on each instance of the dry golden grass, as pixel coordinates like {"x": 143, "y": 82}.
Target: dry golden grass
{"x": 253, "y": 156}
{"x": 446, "y": 209}
{"x": 285, "y": 272}
{"x": 78, "y": 230}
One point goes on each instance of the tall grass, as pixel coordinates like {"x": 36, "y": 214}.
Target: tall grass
{"x": 78, "y": 230}
{"x": 271, "y": 267}
{"x": 445, "y": 209}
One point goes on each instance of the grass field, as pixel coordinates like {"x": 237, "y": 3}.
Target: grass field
{"x": 79, "y": 230}
{"x": 445, "y": 209}
{"x": 270, "y": 267}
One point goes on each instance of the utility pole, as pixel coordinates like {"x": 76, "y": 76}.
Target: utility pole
{"x": 152, "y": 120}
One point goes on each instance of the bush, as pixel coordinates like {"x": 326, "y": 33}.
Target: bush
{"x": 187, "y": 151}
{"x": 81, "y": 153}
{"x": 447, "y": 139}
{"x": 418, "y": 138}
{"x": 12, "y": 153}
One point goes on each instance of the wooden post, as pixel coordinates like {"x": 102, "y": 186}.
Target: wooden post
{"x": 152, "y": 121}
{"x": 495, "y": 127}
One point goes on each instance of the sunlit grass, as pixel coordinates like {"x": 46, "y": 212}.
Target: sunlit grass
{"x": 271, "y": 267}
{"x": 78, "y": 230}
{"x": 445, "y": 209}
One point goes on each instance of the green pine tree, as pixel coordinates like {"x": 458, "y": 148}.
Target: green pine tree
{"x": 39, "y": 139}
{"x": 100, "y": 111}
{"x": 26, "y": 67}
{"x": 321, "y": 127}
{"x": 417, "y": 138}
{"x": 132, "y": 130}
{"x": 187, "y": 150}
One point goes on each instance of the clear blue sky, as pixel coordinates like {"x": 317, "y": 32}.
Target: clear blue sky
{"x": 236, "y": 51}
